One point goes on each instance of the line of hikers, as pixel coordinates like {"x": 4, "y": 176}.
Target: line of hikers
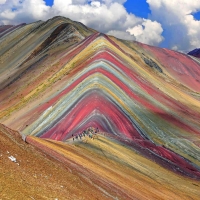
{"x": 90, "y": 132}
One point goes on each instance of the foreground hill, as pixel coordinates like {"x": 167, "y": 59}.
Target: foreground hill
{"x": 99, "y": 168}
{"x": 58, "y": 78}
{"x": 36, "y": 175}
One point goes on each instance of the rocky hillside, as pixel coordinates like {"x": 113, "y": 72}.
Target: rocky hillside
{"x": 60, "y": 80}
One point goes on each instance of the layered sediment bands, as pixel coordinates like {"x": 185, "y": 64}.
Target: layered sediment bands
{"x": 24, "y": 42}
{"x": 180, "y": 66}
{"x": 118, "y": 169}
{"x": 67, "y": 77}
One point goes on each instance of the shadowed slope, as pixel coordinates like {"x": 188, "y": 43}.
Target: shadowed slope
{"x": 27, "y": 41}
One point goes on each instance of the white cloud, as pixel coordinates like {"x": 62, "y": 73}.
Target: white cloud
{"x": 121, "y": 35}
{"x": 2, "y": 1}
{"x": 16, "y": 12}
{"x": 149, "y": 32}
{"x": 108, "y": 2}
{"x": 95, "y": 4}
{"x": 79, "y": 2}
{"x": 136, "y": 30}
{"x": 178, "y": 22}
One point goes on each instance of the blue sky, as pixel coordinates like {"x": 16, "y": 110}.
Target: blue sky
{"x": 164, "y": 23}
{"x": 138, "y": 7}
{"x": 49, "y": 2}
{"x": 197, "y": 15}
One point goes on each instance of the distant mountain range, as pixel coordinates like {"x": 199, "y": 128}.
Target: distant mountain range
{"x": 122, "y": 115}
{"x": 195, "y": 52}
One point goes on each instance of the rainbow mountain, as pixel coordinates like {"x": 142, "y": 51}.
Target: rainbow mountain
{"x": 59, "y": 77}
